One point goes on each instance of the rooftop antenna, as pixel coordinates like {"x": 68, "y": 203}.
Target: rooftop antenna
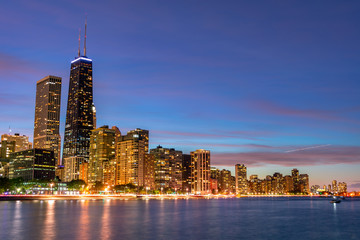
{"x": 85, "y": 37}
{"x": 79, "y": 42}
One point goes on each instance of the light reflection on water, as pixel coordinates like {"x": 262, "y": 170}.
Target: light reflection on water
{"x": 260, "y": 218}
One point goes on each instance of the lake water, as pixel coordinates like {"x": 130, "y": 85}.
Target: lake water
{"x": 245, "y": 218}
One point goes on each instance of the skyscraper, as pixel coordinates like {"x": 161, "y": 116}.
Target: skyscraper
{"x": 240, "y": 179}
{"x": 102, "y": 156}
{"x": 131, "y": 156}
{"x": 47, "y": 115}
{"x": 167, "y": 168}
{"x": 200, "y": 171}
{"x": 79, "y": 114}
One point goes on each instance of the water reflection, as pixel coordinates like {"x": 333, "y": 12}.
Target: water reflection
{"x": 49, "y": 227}
{"x": 180, "y": 219}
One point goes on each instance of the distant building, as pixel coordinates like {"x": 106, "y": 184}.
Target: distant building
{"x": 342, "y": 187}
{"x": 21, "y": 142}
{"x": 304, "y": 183}
{"x": 47, "y": 115}
{"x": 288, "y": 184}
{"x": 167, "y": 168}
{"x": 6, "y": 148}
{"x": 241, "y": 179}
{"x": 200, "y": 171}
{"x": 60, "y": 172}
{"x": 102, "y": 165}
{"x": 334, "y": 186}
{"x": 295, "y": 176}
{"x": 225, "y": 181}
{"x": 186, "y": 173}
{"x": 72, "y": 168}
{"x": 32, "y": 164}
{"x": 131, "y": 152}
{"x": 149, "y": 172}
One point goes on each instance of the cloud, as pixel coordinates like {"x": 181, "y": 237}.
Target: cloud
{"x": 197, "y": 145}
{"x": 11, "y": 66}
{"x": 354, "y": 185}
{"x": 315, "y": 156}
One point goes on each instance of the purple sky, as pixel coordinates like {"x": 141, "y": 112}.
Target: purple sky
{"x": 272, "y": 84}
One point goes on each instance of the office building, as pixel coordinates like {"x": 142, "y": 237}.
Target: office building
{"x": 47, "y": 115}
{"x": 241, "y": 179}
{"x": 79, "y": 113}
{"x": 32, "y": 164}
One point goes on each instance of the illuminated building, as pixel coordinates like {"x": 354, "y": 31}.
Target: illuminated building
{"x": 47, "y": 115}
{"x": 167, "y": 168}
{"x": 186, "y": 172}
{"x": 79, "y": 114}
{"x": 21, "y": 142}
{"x": 334, "y": 186}
{"x": 277, "y": 183}
{"x": 60, "y": 172}
{"x": 200, "y": 171}
{"x": 6, "y": 148}
{"x": 32, "y": 164}
{"x": 214, "y": 186}
{"x": 225, "y": 181}
{"x": 102, "y": 156}
{"x": 295, "y": 176}
{"x": 72, "y": 168}
{"x": 84, "y": 171}
{"x": 241, "y": 179}
{"x": 304, "y": 183}
{"x": 131, "y": 150}
{"x": 288, "y": 184}
{"x": 342, "y": 188}
{"x": 149, "y": 169}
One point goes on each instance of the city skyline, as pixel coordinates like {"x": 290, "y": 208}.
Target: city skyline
{"x": 303, "y": 127}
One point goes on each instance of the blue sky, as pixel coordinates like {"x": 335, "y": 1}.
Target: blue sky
{"x": 250, "y": 81}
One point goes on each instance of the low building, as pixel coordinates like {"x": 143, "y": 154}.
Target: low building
{"x": 32, "y": 164}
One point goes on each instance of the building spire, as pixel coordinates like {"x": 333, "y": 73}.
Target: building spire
{"x": 79, "y": 43}
{"x": 85, "y": 37}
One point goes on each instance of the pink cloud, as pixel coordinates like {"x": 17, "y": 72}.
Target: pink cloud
{"x": 328, "y": 155}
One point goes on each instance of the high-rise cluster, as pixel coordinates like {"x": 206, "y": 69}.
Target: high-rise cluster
{"x": 223, "y": 182}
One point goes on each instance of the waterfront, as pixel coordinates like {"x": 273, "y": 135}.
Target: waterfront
{"x": 245, "y": 218}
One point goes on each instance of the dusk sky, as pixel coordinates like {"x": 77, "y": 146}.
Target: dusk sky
{"x": 271, "y": 84}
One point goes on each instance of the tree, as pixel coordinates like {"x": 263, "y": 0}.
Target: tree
{"x": 76, "y": 185}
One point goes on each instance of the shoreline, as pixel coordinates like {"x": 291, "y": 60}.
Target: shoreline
{"x": 140, "y": 197}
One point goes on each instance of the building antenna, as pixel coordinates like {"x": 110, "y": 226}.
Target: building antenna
{"x": 79, "y": 42}
{"x": 85, "y": 37}
{"x": 9, "y": 130}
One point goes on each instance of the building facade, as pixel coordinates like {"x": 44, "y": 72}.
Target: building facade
{"x": 102, "y": 156}
{"x": 241, "y": 179}
{"x": 200, "y": 172}
{"x": 32, "y": 164}
{"x": 131, "y": 150}
{"x": 167, "y": 168}
{"x": 80, "y": 112}
{"x": 47, "y": 115}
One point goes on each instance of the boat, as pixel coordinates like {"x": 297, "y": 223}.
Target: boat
{"x": 335, "y": 200}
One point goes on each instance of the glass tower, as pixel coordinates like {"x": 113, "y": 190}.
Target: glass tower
{"x": 79, "y": 114}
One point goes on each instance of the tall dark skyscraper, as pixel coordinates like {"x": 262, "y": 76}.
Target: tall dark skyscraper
{"x": 79, "y": 114}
